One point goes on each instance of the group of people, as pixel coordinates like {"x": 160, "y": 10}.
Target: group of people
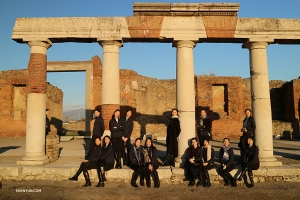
{"x": 143, "y": 161}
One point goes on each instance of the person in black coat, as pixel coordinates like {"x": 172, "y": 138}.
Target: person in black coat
{"x": 116, "y": 127}
{"x": 207, "y": 157}
{"x": 137, "y": 163}
{"x": 203, "y": 126}
{"x": 173, "y": 132}
{"x": 90, "y": 163}
{"x": 252, "y": 161}
{"x": 47, "y": 123}
{"x": 248, "y": 130}
{"x": 128, "y": 128}
{"x": 106, "y": 160}
{"x": 226, "y": 156}
{"x": 98, "y": 129}
{"x": 151, "y": 162}
{"x": 193, "y": 157}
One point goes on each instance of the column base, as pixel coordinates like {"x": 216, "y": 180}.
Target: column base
{"x": 34, "y": 160}
{"x": 269, "y": 162}
{"x": 179, "y": 163}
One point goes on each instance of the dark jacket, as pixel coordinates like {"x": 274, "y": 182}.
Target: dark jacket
{"x": 173, "y": 131}
{"x": 205, "y": 129}
{"x": 252, "y": 154}
{"x": 231, "y": 157}
{"x": 95, "y": 154}
{"x": 98, "y": 129}
{"x": 192, "y": 152}
{"x": 133, "y": 158}
{"x": 107, "y": 154}
{"x": 116, "y": 128}
{"x": 47, "y": 125}
{"x": 128, "y": 127}
{"x": 250, "y": 126}
{"x": 204, "y": 156}
{"x": 152, "y": 153}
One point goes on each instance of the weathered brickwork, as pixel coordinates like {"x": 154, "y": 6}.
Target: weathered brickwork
{"x": 37, "y": 72}
{"x": 107, "y": 110}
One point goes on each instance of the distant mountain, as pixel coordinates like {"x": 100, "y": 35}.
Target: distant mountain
{"x": 75, "y": 115}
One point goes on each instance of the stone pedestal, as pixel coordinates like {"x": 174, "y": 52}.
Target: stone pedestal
{"x": 36, "y": 105}
{"x": 110, "y": 80}
{"x": 185, "y": 96}
{"x": 52, "y": 148}
{"x": 261, "y": 104}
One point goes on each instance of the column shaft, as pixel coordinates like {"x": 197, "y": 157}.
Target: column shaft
{"x": 261, "y": 104}
{"x": 185, "y": 96}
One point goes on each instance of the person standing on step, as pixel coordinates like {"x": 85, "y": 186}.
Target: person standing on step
{"x": 193, "y": 157}
{"x": 252, "y": 161}
{"x": 226, "y": 156}
{"x": 116, "y": 127}
{"x": 126, "y": 137}
{"x": 137, "y": 163}
{"x": 203, "y": 126}
{"x": 106, "y": 160}
{"x": 173, "y": 132}
{"x": 90, "y": 163}
{"x": 207, "y": 162}
{"x": 151, "y": 162}
{"x": 98, "y": 129}
{"x": 248, "y": 130}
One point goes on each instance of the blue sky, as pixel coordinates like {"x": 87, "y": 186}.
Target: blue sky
{"x": 148, "y": 59}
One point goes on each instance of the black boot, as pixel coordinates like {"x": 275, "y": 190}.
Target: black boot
{"x": 75, "y": 177}
{"x": 207, "y": 184}
{"x": 242, "y": 174}
{"x": 133, "y": 179}
{"x": 87, "y": 179}
{"x": 116, "y": 159}
{"x": 166, "y": 161}
{"x": 119, "y": 160}
{"x": 233, "y": 183}
{"x": 142, "y": 179}
{"x": 250, "y": 174}
{"x": 155, "y": 179}
{"x": 100, "y": 177}
{"x": 227, "y": 182}
{"x": 148, "y": 181}
{"x": 192, "y": 182}
{"x": 124, "y": 161}
{"x": 195, "y": 177}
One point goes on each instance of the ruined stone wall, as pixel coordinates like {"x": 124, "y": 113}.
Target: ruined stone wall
{"x": 13, "y": 105}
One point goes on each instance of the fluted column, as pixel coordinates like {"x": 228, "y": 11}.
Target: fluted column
{"x": 185, "y": 96}
{"x": 261, "y": 104}
{"x": 36, "y": 104}
{"x": 110, "y": 80}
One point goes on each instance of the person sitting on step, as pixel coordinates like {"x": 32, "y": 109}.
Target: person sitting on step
{"x": 207, "y": 162}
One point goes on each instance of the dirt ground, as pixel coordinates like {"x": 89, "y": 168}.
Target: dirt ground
{"x": 114, "y": 190}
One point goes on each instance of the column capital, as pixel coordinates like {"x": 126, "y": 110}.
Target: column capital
{"x": 111, "y": 42}
{"x": 257, "y": 43}
{"x": 184, "y": 43}
{"x": 39, "y": 46}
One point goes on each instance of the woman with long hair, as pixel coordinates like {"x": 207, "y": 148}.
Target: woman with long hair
{"x": 90, "y": 163}
{"x": 193, "y": 158}
{"x": 207, "y": 162}
{"x": 106, "y": 160}
{"x": 173, "y": 132}
{"x": 116, "y": 127}
{"x": 137, "y": 163}
{"x": 252, "y": 161}
{"x": 226, "y": 156}
{"x": 151, "y": 162}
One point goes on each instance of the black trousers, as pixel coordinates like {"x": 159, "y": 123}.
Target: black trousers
{"x": 127, "y": 144}
{"x": 252, "y": 166}
{"x": 88, "y": 166}
{"x": 139, "y": 170}
{"x": 204, "y": 169}
{"x": 225, "y": 172}
{"x": 118, "y": 144}
{"x": 107, "y": 166}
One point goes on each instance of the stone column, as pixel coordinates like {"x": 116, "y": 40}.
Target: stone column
{"x": 110, "y": 81}
{"x": 261, "y": 104}
{"x": 36, "y": 104}
{"x": 185, "y": 96}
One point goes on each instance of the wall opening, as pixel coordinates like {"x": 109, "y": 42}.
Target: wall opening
{"x": 220, "y": 98}
{"x": 19, "y": 102}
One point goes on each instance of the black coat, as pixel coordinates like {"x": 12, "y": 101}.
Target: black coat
{"x": 116, "y": 128}
{"x": 107, "y": 154}
{"x": 128, "y": 128}
{"x": 152, "y": 153}
{"x": 95, "y": 154}
{"x": 205, "y": 129}
{"x": 133, "y": 158}
{"x": 173, "y": 131}
{"x": 252, "y": 154}
{"x": 47, "y": 125}
{"x": 192, "y": 152}
{"x": 204, "y": 156}
{"x": 231, "y": 157}
{"x": 98, "y": 129}
{"x": 250, "y": 126}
